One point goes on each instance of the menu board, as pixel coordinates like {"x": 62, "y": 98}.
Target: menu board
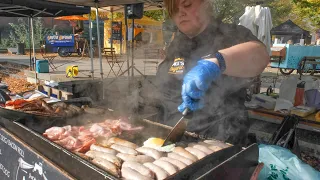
{"x": 117, "y": 31}
{"x": 19, "y": 162}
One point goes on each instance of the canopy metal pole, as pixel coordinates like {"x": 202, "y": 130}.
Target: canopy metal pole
{"x": 111, "y": 39}
{"x": 99, "y": 47}
{"x": 91, "y": 47}
{"x": 132, "y": 49}
{"x": 33, "y": 48}
{"x": 127, "y": 33}
{"x": 29, "y": 37}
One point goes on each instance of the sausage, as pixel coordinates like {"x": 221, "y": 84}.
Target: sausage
{"x": 175, "y": 162}
{"x": 94, "y": 111}
{"x": 139, "y": 168}
{"x": 150, "y": 152}
{"x": 124, "y": 149}
{"x": 133, "y": 158}
{"x": 180, "y": 158}
{"x": 60, "y": 111}
{"x": 76, "y": 108}
{"x": 128, "y": 173}
{"x": 217, "y": 143}
{"x": 215, "y": 148}
{"x": 203, "y": 149}
{"x": 171, "y": 169}
{"x": 108, "y": 166}
{"x": 109, "y": 157}
{"x": 59, "y": 104}
{"x": 100, "y": 148}
{"x": 185, "y": 153}
{"x": 196, "y": 152}
{"x": 46, "y": 107}
{"x": 159, "y": 172}
{"x": 122, "y": 142}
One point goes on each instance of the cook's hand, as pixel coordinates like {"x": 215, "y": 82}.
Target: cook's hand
{"x": 195, "y": 84}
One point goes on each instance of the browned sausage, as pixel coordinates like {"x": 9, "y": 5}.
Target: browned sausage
{"x": 122, "y": 142}
{"x": 160, "y": 173}
{"x": 180, "y": 158}
{"x": 181, "y": 151}
{"x": 124, "y": 149}
{"x": 139, "y": 168}
{"x": 108, "y": 166}
{"x": 150, "y": 152}
{"x": 100, "y": 148}
{"x": 138, "y": 158}
{"x": 109, "y": 157}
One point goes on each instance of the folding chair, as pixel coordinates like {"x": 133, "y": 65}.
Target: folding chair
{"x": 152, "y": 57}
{"x": 113, "y": 61}
{"x": 49, "y": 58}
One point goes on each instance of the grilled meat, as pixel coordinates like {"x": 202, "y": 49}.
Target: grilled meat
{"x": 196, "y": 152}
{"x": 171, "y": 169}
{"x": 139, "y": 168}
{"x": 180, "y": 158}
{"x": 100, "y": 148}
{"x": 133, "y": 158}
{"x": 181, "y": 151}
{"x": 150, "y": 152}
{"x": 109, "y": 157}
{"x": 175, "y": 162}
{"x": 108, "y": 166}
{"x": 158, "y": 171}
{"x": 124, "y": 149}
{"x": 128, "y": 173}
{"x": 122, "y": 142}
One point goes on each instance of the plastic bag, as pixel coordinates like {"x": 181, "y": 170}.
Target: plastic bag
{"x": 281, "y": 164}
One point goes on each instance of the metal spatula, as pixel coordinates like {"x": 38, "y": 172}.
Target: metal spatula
{"x": 178, "y": 130}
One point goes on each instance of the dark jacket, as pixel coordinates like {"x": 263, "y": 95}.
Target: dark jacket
{"x": 224, "y": 116}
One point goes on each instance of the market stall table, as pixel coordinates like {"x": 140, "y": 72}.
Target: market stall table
{"x": 307, "y": 123}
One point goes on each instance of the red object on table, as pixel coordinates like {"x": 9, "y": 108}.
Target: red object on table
{"x": 299, "y": 97}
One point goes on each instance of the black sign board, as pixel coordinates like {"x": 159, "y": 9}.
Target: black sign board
{"x": 19, "y": 162}
{"x": 117, "y": 31}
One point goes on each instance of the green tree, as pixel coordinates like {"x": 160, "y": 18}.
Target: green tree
{"x": 309, "y": 9}
{"x": 20, "y": 32}
{"x": 155, "y": 14}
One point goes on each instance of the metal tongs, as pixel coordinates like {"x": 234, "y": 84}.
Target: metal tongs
{"x": 178, "y": 130}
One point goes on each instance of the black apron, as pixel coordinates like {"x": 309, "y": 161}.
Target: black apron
{"x": 224, "y": 116}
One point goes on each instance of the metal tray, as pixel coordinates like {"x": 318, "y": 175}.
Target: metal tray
{"x": 83, "y": 169}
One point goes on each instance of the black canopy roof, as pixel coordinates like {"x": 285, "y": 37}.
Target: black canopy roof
{"x": 289, "y": 28}
{"x": 39, "y": 8}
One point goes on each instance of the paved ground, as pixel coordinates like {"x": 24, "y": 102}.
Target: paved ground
{"x": 84, "y": 64}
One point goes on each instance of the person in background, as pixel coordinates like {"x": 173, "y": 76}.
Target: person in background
{"x": 79, "y": 41}
{"x": 207, "y": 68}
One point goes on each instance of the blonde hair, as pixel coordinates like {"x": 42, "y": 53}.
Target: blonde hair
{"x": 172, "y": 7}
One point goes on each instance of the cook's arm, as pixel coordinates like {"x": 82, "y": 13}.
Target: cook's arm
{"x": 244, "y": 60}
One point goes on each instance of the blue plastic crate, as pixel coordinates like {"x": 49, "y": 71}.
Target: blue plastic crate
{"x": 42, "y": 66}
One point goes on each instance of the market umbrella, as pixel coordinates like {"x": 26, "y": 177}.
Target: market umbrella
{"x": 72, "y": 18}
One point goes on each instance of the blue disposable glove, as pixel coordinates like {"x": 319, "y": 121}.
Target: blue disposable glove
{"x": 195, "y": 84}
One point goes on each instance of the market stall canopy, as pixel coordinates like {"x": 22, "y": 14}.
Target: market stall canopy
{"x": 104, "y": 3}
{"x": 39, "y": 8}
{"x": 289, "y": 28}
{"x": 72, "y": 18}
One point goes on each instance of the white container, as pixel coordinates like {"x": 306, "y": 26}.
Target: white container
{"x": 288, "y": 88}
{"x": 264, "y": 101}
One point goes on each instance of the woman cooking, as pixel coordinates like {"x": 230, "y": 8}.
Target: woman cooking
{"x": 207, "y": 68}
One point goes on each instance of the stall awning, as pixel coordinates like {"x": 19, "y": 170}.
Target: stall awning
{"x": 289, "y": 28}
{"x": 39, "y": 8}
{"x": 104, "y": 3}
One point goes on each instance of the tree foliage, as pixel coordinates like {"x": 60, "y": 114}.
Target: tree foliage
{"x": 20, "y": 32}
{"x": 309, "y": 9}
